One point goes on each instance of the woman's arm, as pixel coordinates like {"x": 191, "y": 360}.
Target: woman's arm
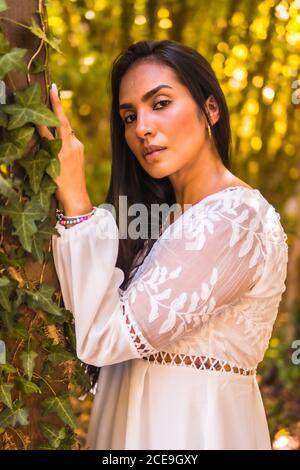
{"x": 185, "y": 280}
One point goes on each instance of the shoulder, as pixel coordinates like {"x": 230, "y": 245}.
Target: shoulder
{"x": 237, "y": 204}
{"x": 242, "y": 205}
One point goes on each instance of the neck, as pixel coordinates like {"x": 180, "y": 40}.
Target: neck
{"x": 205, "y": 175}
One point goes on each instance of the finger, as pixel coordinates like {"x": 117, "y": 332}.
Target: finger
{"x": 44, "y": 132}
{"x": 65, "y": 128}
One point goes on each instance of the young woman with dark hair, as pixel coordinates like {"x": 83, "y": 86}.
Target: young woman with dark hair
{"x": 179, "y": 321}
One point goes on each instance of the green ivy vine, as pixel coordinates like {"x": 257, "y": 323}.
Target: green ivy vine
{"x": 36, "y": 332}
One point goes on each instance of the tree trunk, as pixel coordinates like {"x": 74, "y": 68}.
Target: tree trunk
{"x": 32, "y": 272}
{"x": 20, "y": 37}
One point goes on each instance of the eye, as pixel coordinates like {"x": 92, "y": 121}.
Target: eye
{"x": 126, "y": 119}
{"x": 164, "y": 103}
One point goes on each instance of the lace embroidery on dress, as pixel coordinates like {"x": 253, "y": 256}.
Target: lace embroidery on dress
{"x": 198, "y": 362}
{"x": 141, "y": 345}
{"x": 165, "y": 358}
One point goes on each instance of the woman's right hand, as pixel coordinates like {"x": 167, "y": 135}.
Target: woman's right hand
{"x": 71, "y": 183}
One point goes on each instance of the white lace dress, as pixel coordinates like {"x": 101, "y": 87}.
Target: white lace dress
{"x": 179, "y": 348}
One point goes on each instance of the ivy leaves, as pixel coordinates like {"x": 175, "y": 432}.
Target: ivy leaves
{"x": 24, "y": 217}
{"x": 37, "y": 31}
{"x": 5, "y": 395}
{"x": 62, "y": 407}
{"x": 4, "y": 44}
{"x": 42, "y": 298}
{"x": 28, "y": 360}
{"x": 53, "y": 435}
{"x": 11, "y": 417}
{"x": 6, "y": 287}
{"x": 14, "y": 144}
{"x": 25, "y": 379}
{"x": 28, "y": 107}
{"x": 35, "y": 166}
{"x": 12, "y": 61}
{"x": 43, "y": 161}
{"x": 36, "y": 335}
{"x": 41, "y": 166}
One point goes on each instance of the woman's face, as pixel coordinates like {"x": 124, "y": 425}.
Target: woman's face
{"x": 168, "y": 117}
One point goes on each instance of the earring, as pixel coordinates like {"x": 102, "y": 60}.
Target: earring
{"x": 209, "y": 131}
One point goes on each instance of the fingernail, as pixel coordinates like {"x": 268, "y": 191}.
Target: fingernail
{"x": 54, "y": 88}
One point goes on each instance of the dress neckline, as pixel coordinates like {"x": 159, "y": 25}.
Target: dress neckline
{"x": 204, "y": 199}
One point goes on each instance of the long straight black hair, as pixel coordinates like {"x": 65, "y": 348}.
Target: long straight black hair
{"x": 128, "y": 178}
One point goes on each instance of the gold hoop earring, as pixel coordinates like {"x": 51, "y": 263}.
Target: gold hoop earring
{"x": 209, "y": 131}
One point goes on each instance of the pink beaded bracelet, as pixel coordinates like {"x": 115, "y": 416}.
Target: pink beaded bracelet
{"x": 72, "y": 220}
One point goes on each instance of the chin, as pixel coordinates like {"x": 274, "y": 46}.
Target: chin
{"x": 157, "y": 171}
{"x": 158, "y": 175}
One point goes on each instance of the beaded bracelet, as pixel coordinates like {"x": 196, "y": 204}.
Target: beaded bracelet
{"x": 72, "y": 220}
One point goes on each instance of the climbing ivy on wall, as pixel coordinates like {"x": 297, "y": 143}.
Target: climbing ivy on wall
{"x": 38, "y": 366}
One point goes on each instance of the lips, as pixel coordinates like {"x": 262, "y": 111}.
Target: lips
{"x": 154, "y": 156}
{"x": 151, "y": 149}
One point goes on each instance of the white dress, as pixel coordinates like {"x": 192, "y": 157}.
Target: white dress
{"x": 178, "y": 349}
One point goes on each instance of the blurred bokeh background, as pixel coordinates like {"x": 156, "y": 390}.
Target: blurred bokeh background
{"x": 254, "y": 49}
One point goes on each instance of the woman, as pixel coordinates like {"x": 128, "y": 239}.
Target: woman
{"x": 178, "y": 336}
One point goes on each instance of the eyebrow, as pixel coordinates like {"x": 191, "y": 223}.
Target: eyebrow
{"x": 145, "y": 97}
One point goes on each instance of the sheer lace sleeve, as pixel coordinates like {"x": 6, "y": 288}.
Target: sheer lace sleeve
{"x": 216, "y": 260}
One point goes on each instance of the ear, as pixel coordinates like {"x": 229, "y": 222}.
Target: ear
{"x": 213, "y": 109}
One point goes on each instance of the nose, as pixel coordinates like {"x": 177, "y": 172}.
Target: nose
{"x": 144, "y": 127}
